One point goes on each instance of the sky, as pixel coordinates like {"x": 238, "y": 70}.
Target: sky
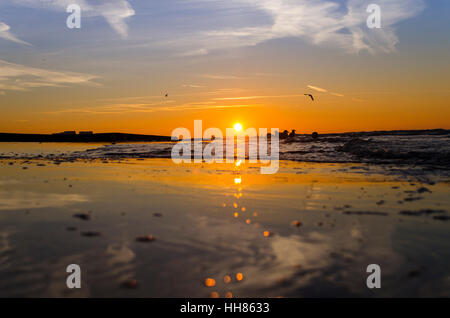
{"x": 224, "y": 61}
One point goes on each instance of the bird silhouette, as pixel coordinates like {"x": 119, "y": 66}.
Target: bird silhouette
{"x": 166, "y": 95}
{"x": 312, "y": 97}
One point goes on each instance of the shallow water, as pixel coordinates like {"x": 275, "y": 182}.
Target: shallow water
{"x": 209, "y": 223}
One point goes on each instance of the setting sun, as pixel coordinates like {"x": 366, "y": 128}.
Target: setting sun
{"x": 238, "y": 127}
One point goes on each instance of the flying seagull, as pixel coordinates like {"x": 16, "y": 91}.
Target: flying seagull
{"x": 312, "y": 97}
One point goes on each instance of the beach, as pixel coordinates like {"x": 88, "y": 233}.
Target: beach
{"x": 218, "y": 230}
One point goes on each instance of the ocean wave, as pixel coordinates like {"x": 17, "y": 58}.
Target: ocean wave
{"x": 426, "y": 149}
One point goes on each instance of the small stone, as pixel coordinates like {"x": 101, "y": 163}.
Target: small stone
{"x": 414, "y": 273}
{"x": 131, "y": 284}
{"x": 423, "y": 190}
{"x": 214, "y": 295}
{"x": 91, "y": 234}
{"x": 227, "y": 279}
{"x": 145, "y": 239}
{"x": 82, "y": 216}
{"x": 412, "y": 199}
{"x": 442, "y": 217}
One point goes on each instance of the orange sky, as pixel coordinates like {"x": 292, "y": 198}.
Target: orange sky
{"x": 113, "y": 77}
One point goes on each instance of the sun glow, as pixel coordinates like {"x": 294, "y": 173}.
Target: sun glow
{"x": 238, "y": 127}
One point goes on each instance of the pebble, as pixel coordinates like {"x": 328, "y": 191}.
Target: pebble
{"x": 131, "y": 284}
{"x": 91, "y": 234}
{"x": 145, "y": 239}
{"x": 82, "y": 216}
{"x": 423, "y": 190}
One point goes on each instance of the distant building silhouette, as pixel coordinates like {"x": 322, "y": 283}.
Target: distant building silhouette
{"x": 68, "y": 132}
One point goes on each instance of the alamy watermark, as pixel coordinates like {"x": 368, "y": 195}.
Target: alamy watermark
{"x": 74, "y": 19}
{"x": 374, "y": 279}
{"x": 373, "y": 20}
{"x": 74, "y": 279}
{"x": 192, "y": 149}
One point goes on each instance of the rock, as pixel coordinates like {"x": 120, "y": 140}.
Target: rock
{"x": 365, "y": 213}
{"x": 423, "y": 190}
{"x": 414, "y": 273}
{"x": 442, "y": 217}
{"x": 91, "y": 234}
{"x": 82, "y": 216}
{"x": 412, "y": 199}
{"x": 130, "y": 284}
{"x": 421, "y": 212}
{"x": 145, "y": 239}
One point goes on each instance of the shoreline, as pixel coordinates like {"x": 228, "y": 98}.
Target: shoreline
{"x": 128, "y": 137}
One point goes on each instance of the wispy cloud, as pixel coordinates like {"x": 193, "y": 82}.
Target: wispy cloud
{"x": 323, "y": 90}
{"x": 192, "y": 86}
{"x": 115, "y": 12}
{"x": 144, "y": 108}
{"x": 193, "y": 53}
{"x": 6, "y": 34}
{"x": 221, "y": 77}
{"x": 20, "y": 77}
{"x": 320, "y": 22}
{"x": 257, "y": 97}
{"x": 318, "y": 89}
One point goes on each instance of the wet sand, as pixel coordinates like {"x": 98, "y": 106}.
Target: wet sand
{"x": 150, "y": 228}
